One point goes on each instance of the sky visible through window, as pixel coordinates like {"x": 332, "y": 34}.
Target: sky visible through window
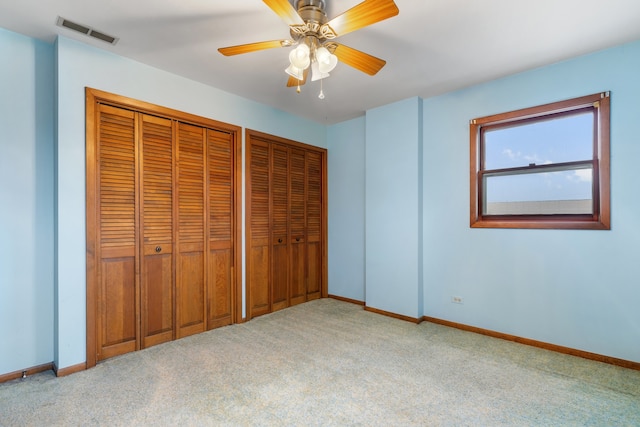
{"x": 564, "y": 139}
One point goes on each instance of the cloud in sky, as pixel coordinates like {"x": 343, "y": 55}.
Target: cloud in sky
{"x": 511, "y": 154}
{"x": 527, "y": 158}
{"x": 581, "y": 175}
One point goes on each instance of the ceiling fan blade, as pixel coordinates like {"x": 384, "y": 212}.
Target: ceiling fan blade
{"x": 252, "y": 47}
{"x": 361, "y": 15}
{"x": 292, "y": 82}
{"x": 286, "y": 11}
{"x": 359, "y": 60}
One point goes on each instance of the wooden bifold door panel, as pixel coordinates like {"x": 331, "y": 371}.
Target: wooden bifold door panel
{"x": 297, "y": 224}
{"x": 316, "y": 226}
{"x": 257, "y": 216}
{"x": 156, "y": 293}
{"x": 279, "y": 227}
{"x": 190, "y": 263}
{"x": 116, "y": 323}
{"x": 221, "y": 272}
{"x": 162, "y": 225}
{"x": 286, "y": 223}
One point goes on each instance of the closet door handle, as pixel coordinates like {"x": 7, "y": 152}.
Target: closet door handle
{"x": 297, "y": 239}
{"x": 158, "y": 249}
{"x": 279, "y": 240}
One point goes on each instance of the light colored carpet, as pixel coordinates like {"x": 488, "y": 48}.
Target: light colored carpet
{"x": 325, "y": 363}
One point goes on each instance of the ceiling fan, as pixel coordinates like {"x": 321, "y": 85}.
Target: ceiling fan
{"x": 313, "y": 36}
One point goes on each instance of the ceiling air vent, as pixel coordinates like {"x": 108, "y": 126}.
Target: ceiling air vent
{"x": 87, "y": 31}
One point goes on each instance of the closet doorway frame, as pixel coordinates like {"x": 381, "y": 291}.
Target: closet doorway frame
{"x": 96, "y": 97}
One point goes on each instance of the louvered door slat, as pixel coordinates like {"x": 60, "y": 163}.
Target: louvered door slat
{"x": 297, "y": 191}
{"x": 117, "y": 177}
{"x": 259, "y": 191}
{"x": 116, "y": 323}
{"x": 157, "y": 226}
{"x": 280, "y": 192}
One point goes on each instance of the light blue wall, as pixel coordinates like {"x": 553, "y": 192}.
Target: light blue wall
{"x": 574, "y": 288}
{"x": 79, "y": 66}
{"x": 346, "y": 171}
{"x": 26, "y": 202}
{"x": 393, "y": 201}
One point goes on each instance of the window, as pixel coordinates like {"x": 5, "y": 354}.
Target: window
{"x": 542, "y": 167}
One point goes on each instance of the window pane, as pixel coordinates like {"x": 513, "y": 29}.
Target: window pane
{"x": 540, "y": 193}
{"x": 564, "y": 139}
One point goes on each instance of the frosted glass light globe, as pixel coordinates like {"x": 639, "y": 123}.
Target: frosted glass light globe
{"x": 322, "y": 54}
{"x": 329, "y": 64}
{"x": 299, "y": 57}
{"x": 295, "y": 72}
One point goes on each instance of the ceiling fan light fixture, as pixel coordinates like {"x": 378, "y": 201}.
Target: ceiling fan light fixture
{"x": 300, "y": 57}
{"x": 295, "y": 72}
{"x": 312, "y": 36}
{"x": 322, "y": 54}
{"x": 329, "y": 63}
{"x": 316, "y": 74}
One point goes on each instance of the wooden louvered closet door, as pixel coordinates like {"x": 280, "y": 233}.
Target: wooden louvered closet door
{"x": 286, "y": 223}
{"x": 190, "y": 283}
{"x": 258, "y": 212}
{"x": 279, "y": 227}
{"x": 298, "y": 214}
{"x": 221, "y": 228}
{"x": 314, "y": 225}
{"x": 156, "y": 294}
{"x": 116, "y": 322}
{"x": 162, "y": 216}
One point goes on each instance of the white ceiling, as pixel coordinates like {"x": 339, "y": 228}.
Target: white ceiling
{"x": 431, "y": 47}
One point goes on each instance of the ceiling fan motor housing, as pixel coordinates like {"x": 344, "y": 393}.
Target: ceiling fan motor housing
{"x": 312, "y": 11}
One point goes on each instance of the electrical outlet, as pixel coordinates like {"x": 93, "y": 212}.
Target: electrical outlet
{"x": 456, "y": 300}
